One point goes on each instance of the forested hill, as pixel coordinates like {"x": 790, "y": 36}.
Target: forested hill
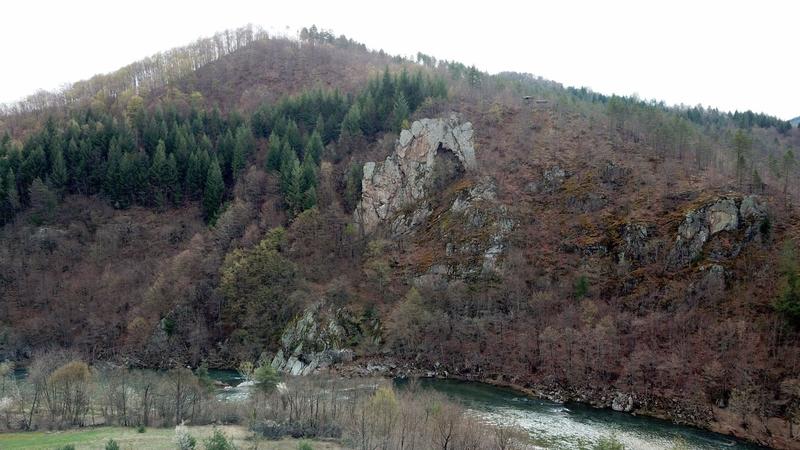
{"x": 795, "y": 122}
{"x": 206, "y": 204}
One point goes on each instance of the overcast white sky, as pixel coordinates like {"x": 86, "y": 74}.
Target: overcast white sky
{"x": 728, "y": 54}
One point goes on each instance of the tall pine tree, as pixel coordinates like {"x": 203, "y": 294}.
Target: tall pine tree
{"x": 214, "y": 192}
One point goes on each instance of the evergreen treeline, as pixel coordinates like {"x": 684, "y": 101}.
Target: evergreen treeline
{"x": 156, "y": 158}
{"x": 300, "y": 127}
{"x": 164, "y": 157}
{"x": 696, "y": 114}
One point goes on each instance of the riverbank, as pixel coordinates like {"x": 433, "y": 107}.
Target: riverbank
{"x": 773, "y": 433}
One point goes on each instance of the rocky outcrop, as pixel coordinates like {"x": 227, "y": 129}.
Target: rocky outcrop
{"x": 428, "y": 157}
{"x": 474, "y": 229}
{"x": 724, "y": 214}
{"x": 551, "y": 181}
{"x": 637, "y": 246}
{"x": 622, "y": 402}
{"x": 614, "y": 175}
{"x": 315, "y": 340}
{"x": 587, "y": 202}
{"x": 486, "y": 223}
{"x": 426, "y": 181}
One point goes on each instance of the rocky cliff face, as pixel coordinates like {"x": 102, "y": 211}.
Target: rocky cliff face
{"x": 723, "y": 214}
{"x": 428, "y": 157}
{"x": 315, "y": 340}
{"x": 430, "y": 183}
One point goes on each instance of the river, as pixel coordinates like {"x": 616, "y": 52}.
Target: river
{"x": 574, "y": 426}
{"x": 553, "y": 425}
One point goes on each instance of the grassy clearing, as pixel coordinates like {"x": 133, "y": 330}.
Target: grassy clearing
{"x": 153, "y": 438}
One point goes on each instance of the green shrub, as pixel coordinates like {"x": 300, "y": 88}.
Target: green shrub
{"x": 218, "y": 441}
{"x": 303, "y": 445}
{"x": 266, "y": 377}
{"x": 141, "y": 429}
{"x": 581, "y": 287}
{"x": 183, "y": 439}
{"x": 112, "y": 445}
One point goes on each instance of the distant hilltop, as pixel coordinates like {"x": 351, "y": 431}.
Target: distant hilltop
{"x": 795, "y": 121}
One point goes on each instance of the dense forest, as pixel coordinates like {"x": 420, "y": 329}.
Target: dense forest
{"x": 190, "y": 207}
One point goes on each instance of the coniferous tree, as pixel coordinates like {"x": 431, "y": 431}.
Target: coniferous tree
{"x": 274, "y": 152}
{"x": 351, "y": 124}
{"x": 225, "y": 149}
{"x": 11, "y": 191}
{"x": 400, "y": 113}
{"x": 158, "y": 175}
{"x": 371, "y": 120}
{"x": 171, "y": 180}
{"x": 293, "y": 138}
{"x": 319, "y": 128}
{"x": 88, "y": 178}
{"x": 213, "y": 192}
{"x": 43, "y": 201}
{"x": 295, "y": 195}
{"x": 352, "y": 188}
{"x": 33, "y": 166}
{"x": 113, "y": 178}
{"x": 309, "y": 198}
{"x": 181, "y": 153}
{"x": 195, "y": 177}
{"x": 288, "y": 162}
{"x": 385, "y": 98}
{"x": 243, "y": 145}
{"x": 308, "y": 173}
{"x": 238, "y": 161}
{"x": 75, "y": 163}
{"x": 314, "y": 147}
{"x": 58, "y": 171}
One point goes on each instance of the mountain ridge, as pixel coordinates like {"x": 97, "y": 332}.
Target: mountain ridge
{"x": 643, "y": 261}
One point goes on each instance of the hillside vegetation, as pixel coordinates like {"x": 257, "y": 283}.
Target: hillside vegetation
{"x": 190, "y": 208}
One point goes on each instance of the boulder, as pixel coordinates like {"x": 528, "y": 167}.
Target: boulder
{"x": 622, "y": 402}
{"x": 433, "y": 153}
{"x": 722, "y": 215}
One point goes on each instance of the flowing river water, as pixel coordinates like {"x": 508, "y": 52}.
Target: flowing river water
{"x": 575, "y": 426}
{"x": 554, "y": 425}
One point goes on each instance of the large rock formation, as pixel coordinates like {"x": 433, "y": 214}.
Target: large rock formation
{"x": 426, "y": 185}
{"x": 427, "y": 158}
{"x": 315, "y": 340}
{"x": 723, "y": 214}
